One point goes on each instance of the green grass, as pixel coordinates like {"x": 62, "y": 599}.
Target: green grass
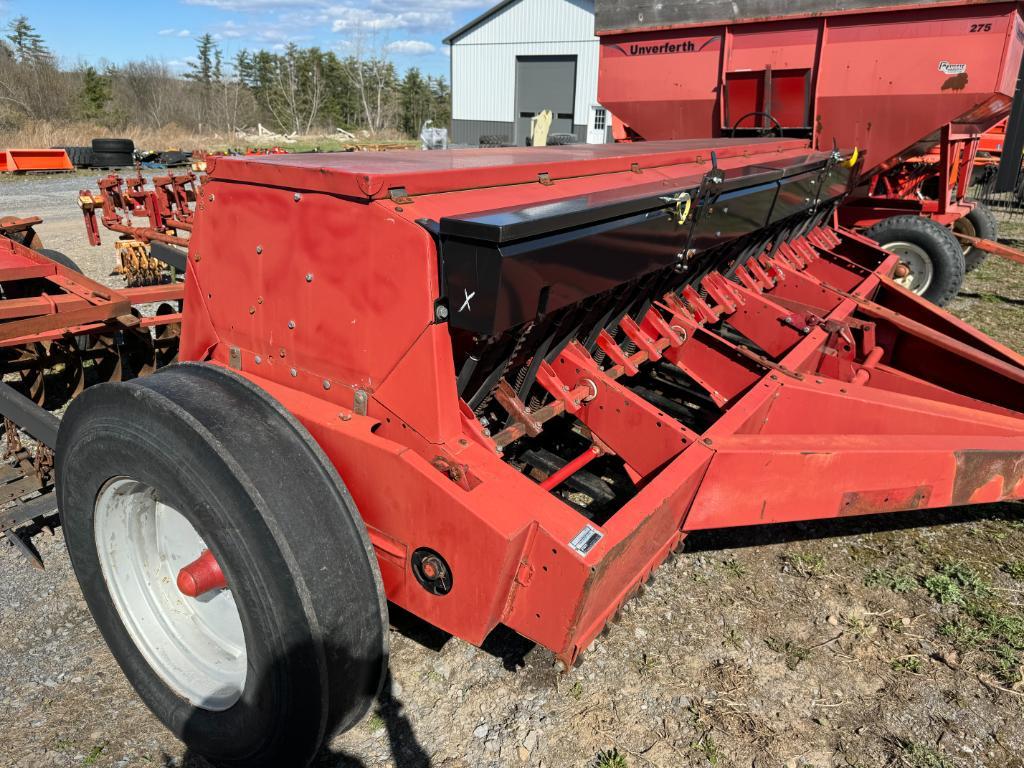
{"x": 706, "y": 746}
{"x": 1015, "y": 569}
{"x": 908, "y": 664}
{"x": 94, "y": 754}
{"x": 921, "y": 756}
{"x": 793, "y": 653}
{"x": 955, "y": 583}
{"x": 610, "y": 758}
{"x": 983, "y": 622}
{"x": 735, "y": 567}
{"x": 806, "y": 564}
{"x": 897, "y": 581}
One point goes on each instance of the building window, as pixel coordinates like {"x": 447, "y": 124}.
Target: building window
{"x": 599, "y": 118}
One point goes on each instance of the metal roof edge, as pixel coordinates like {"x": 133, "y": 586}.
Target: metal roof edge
{"x": 493, "y": 11}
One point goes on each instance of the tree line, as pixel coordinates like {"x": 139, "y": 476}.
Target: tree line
{"x": 297, "y": 90}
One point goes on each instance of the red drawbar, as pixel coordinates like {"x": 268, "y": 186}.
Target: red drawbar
{"x": 200, "y": 576}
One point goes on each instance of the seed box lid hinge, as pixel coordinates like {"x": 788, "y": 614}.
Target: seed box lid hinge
{"x": 399, "y": 195}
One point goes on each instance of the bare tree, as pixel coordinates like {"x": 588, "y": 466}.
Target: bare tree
{"x": 149, "y": 90}
{"x": 373, "y": 76}
{"x": 298, "y": 92}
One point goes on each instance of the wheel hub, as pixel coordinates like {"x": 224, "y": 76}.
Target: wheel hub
{"x": 915, "y": 271}
{"x": 964, "y": 226}
{"x": 194, "y": 643}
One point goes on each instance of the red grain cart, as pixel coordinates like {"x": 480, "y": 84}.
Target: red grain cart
{"x": 893, "y": 78}
{"x": 493, "y": 387}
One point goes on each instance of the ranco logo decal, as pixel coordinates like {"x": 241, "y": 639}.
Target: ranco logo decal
{"x": 952, "y": 69}
{"x": 658, "y": 49}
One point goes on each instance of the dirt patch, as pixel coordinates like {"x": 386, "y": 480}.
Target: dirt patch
{"x": 885, "y": 641}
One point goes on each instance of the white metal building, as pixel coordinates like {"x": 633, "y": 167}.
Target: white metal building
{"x": 519, "y": 58}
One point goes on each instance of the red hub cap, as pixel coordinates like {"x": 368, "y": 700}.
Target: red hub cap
{"x": 200, "y": 576}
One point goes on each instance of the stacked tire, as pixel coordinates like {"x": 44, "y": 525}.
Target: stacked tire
{"x": 80, "y": 157}
{"x": 113, "y": 153}
{"x": 561, "y": 139}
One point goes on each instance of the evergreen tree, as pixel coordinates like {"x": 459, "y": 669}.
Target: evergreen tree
{"x": 95, "y": 93}
{"x": 203, "y": 70}
{"x": 26, "y": 44}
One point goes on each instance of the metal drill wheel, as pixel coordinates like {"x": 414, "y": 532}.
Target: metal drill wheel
{"x": 196, "y": 646}
{"x": 930, "y": 252}
{"x": 291, "y": 646}
{"x": 918, "y": 264}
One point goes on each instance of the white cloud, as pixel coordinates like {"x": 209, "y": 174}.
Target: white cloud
{"x": 255, "y": 5}
{"x": 411, "y": 47}
{"x": 410, "y": 27}
{"x": 180, "y": 65}
{"x": 175, "y": 32}
{"x": 346, "y": 19}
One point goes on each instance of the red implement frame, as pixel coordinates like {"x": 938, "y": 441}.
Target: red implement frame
{"x": 72, "y": 304}
{"x": 863, "y": 398}
{"x": 168, "y": 206}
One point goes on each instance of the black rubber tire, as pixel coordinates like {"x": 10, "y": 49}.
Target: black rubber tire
{"x": 113, "y": 146}
{"x": 60, "y": 258}
{"x": 112, "y": 159}
{"x": 80, "y": 157}
{"x": 493, "y": 141}
{"x": 937, "y": 241}
{"x": 281, "y": 524}
{"x": 981, "y": 223}
{"x": 559, "y": 139}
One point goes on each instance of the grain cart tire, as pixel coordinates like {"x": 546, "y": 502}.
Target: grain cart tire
{"x": 980, "y": 223}
{"x": 930, "y": 250}
{"x": 153, "y": 473}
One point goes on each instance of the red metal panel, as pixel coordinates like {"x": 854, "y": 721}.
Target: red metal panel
{"x": 791, "y": 97}
{"x": 370, "y": 175}
{"x": 883, "y": 81}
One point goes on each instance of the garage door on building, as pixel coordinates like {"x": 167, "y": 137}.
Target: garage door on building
{"x": 545, "y": 82}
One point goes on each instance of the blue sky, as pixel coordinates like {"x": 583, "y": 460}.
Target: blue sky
{"x": 410, "y": 30}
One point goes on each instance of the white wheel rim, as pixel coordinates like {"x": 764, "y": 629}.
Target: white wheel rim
{"x": 196, "y": 645}
{"x": 918, "y": 263}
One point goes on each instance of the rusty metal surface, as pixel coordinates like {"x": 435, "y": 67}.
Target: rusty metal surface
{"x": 987, "y": 476}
